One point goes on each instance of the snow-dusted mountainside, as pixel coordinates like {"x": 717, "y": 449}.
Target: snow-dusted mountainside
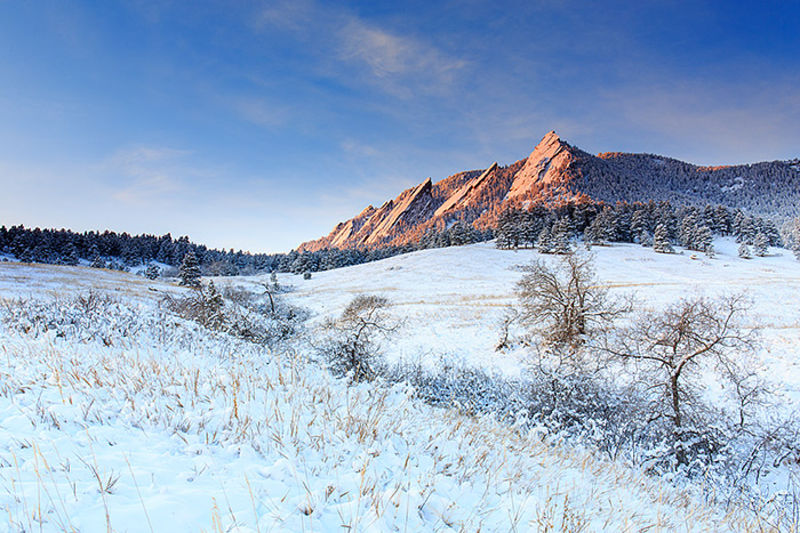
{"x": 557, "y": 172}
{"x": 118, "y": 415}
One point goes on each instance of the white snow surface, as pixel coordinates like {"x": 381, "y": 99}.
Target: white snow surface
{"x": 452, "y": 300}
{"x": 139, "y": 421}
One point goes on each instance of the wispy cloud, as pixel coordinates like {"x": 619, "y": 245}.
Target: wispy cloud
{"x": 360, "y": 149}
{"x": 391, "y": 60}
{"x": 259, "y": 111}
{"x": 145, "y": 174}
{"x": 390, "y": 56}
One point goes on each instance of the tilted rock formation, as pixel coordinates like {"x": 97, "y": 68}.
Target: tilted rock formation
{"x": 556, "y": 173}
{"x": 466, "y": 193}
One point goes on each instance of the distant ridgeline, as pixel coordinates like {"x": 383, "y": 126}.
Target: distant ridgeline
{"x": 549, "y": 229}
{"x": 557, "y": 174}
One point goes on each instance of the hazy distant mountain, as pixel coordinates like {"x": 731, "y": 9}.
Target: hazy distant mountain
{"x": 555, "y": 173}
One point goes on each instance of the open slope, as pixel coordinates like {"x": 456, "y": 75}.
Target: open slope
{"x": 453, "y": 299}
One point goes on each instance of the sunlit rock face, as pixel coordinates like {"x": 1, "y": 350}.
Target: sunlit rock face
{"x": 556, "y": 173}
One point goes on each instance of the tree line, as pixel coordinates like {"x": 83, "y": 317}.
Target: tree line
{"x": 122, "y": 251}
{"x": 656, "y": 224}
{"x": 660, "y": 225}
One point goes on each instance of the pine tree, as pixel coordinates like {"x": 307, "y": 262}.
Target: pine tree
{"x": 560, "y": 237}
{"x": 639, "y": 226}
{"x": 189, "y": 271}
{"x": 661, "y": 242}
{"x": 152, "y": 271}
{"x": 587, "y": 237}
{"x": 212, "y": 306}
{"x": 70, "y": 256}
{"x": 688, "y": 232}
{"x": 747, "y": 231}
{"x": 703, "y": 240}
{"x": 744, "y": 251}
{"x": 545, "y": 243}
{"x": 760, "y": 243}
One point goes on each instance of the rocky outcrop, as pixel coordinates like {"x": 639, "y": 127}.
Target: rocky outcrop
{"x": 413, "y": 204}
{"x": 462, "y": 197}
{"x": 556, "y": 173}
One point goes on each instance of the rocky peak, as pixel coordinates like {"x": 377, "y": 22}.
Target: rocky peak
{"x": 545, "y": 166}
{"x": 556, "y": 173}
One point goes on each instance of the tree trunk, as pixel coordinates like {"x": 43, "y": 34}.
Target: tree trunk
{"x": 680, "y": 453}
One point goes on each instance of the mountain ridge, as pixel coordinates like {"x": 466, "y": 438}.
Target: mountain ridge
{"x": 556, "y": 173}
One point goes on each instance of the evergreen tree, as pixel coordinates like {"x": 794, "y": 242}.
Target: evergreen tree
{"x": 587, "y": 237}
{"x": 747, "y": 231}
{"x": 212, "y": 306}
{"x": 661, "y": 242}
{"x": 688, "y": 232}
{"x": 189, "y": 271}
{"x": 70, "y": 256}
{"x": 560, "y": 237}
{"x": 703, "y": 240}
{"x": 760, "y": 243}
{"x": 152, "y": 271}
{"x": 640, "y": 226}
{"x": 544, "y": 244}
{"x": 744, "y": 251}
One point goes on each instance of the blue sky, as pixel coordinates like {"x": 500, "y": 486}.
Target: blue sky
{"x": 258, "y": 125}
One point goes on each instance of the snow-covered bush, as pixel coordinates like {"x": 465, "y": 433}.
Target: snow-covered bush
{"x": 564, "y": 304}
{"x": 240, "y": 313}
{"x": 351, "y": 347}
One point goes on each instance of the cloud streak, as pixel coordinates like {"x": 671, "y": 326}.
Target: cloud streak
{"x": 146, "y": 174}
{"x": 397, "y": 63}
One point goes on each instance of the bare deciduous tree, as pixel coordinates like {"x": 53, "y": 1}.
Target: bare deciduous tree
{"x": 352, "y": 348}
{"x": 564, "y": 303}
{"x": 673, "y": 346}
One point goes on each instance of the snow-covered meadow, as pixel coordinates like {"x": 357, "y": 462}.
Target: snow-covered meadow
{"x": 116, "y": 415}
{"x": 453, "y": 299}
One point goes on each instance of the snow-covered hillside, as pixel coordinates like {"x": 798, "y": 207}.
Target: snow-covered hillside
{"x": 117, "y": 415}
{"x": 453, "y": 299}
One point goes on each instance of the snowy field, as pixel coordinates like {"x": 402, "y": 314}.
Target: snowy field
{"x": 118, "y": 416}
{"x": 453, "y": 299}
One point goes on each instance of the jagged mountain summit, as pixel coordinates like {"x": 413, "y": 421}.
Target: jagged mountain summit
{"x": 556, "y": 173}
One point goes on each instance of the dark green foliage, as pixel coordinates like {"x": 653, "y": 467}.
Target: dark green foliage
{"x": 152, "y": 271}
{"x": 661, "y": 242}
{"x": 189, "y": 271}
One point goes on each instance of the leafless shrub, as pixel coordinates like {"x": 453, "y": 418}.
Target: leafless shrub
{"x": 352, "y": 347}
{"x": 671, "y": 348}
{"x": 564, "y": 303}
{"x": 240, "y": 313}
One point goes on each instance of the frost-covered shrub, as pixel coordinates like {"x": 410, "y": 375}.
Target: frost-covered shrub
{"x": 87, "y": 317}
{"x": 240, "y": 313}
{"x": 586, "y": 408}
{"x": 93, "y": 317}
{"x": 351, "y": 347}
